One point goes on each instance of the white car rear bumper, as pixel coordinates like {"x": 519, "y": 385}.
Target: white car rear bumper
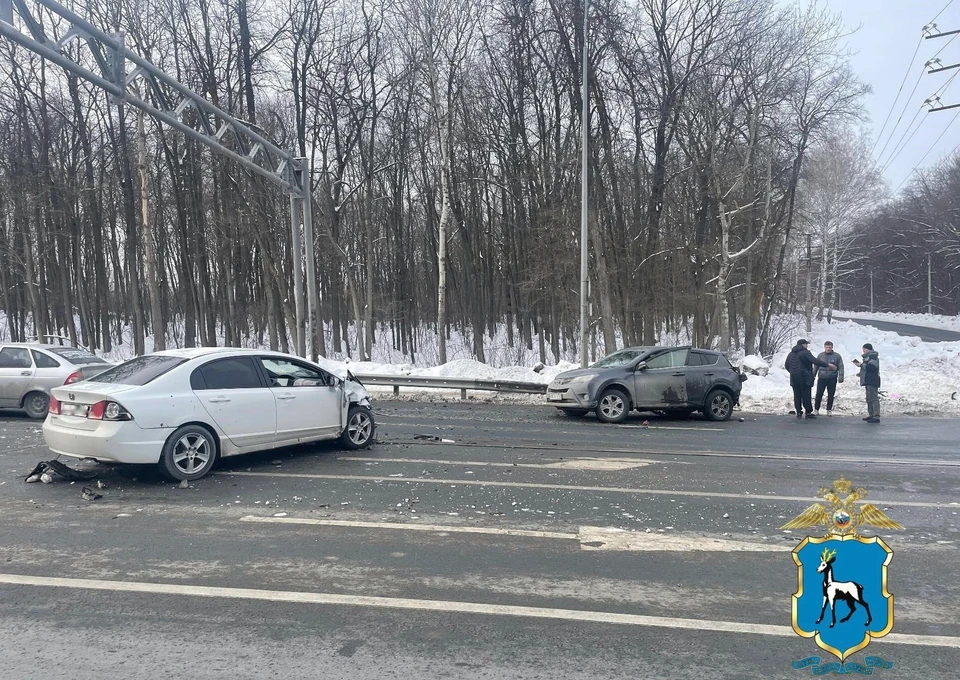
{"x": 119, "y": 442}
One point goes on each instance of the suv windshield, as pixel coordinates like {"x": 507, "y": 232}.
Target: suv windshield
{"x": 139, "y": 371}
{"x": 77, "y": 357}
{"x": 621, "y": 358}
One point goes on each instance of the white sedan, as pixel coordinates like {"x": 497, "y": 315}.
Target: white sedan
{"x": 182, "y": 409}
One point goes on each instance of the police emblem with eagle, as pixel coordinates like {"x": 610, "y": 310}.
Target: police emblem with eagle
{"x": 841, "y": 515}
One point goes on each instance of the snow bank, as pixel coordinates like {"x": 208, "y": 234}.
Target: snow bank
{"x": 755, "y": 365}
{"x": 950, "y": 323}
{"x": 918, "y": 377}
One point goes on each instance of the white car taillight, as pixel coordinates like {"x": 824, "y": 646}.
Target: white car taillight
{"x": 108, "y": 410}
{"x": 54, "y": 406}
{"x": 76, "y": 376}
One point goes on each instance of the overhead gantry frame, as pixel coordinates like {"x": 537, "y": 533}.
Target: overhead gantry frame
{"x": 124, "y": 75}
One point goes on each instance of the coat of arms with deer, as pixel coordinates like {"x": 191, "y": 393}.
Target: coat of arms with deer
{"x": 842, "y": 569}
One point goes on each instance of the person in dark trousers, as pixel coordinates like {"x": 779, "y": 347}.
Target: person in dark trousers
{"x": 800, "y": 363}
{"x": 827, "y": 379}
{"x": 870, "y": 379}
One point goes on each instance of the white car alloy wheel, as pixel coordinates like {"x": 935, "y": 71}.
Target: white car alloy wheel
{"x": 189, "y": 453}
{"x": 358, "y": 433}
{"x": 359, "y": 428}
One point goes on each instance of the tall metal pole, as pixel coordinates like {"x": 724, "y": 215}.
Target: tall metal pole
{"x": 871, "y": 292}
{"x": 313, "y": 309}
{"x": 584, "y": 195}
{"x": 809, "y": 293}
{"x": 929, "y": 284}
{"x": 297, "y": 271}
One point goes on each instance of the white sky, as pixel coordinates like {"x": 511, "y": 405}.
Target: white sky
{"x": 884, "y": 44}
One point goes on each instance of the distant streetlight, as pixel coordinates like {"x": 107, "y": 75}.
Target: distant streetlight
{"x": 584, "y": 195}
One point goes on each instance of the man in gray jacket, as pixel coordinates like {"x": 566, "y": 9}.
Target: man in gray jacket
{"x": 827, "y": 378}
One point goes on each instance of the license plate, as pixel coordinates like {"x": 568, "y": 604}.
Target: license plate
{"x": 554, "y": 397}
{"x": 79, "y": 410}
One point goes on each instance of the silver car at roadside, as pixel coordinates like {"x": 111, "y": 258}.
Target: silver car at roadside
{"x": 28, "y": 371}
{"x": 668, "y": 379}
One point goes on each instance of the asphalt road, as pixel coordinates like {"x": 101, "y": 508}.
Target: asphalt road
{"x": 308, "y": 562}
{"x": 922, "y": 332}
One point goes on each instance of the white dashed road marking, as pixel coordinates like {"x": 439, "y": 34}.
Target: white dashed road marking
{"x": 570, "y": 487}
{"x": 590, "y": 538}
{"x": 446, "y": 606}
{"x": 599, "y": 464}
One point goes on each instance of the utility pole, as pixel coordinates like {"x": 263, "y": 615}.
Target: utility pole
{"x": 584, "y": 195}
{"x": 809, "y": 289}
{"x": 871, "y": 292}
{"x": 929, "y": 284}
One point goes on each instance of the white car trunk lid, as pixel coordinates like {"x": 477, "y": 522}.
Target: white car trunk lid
{"x": 75, "y": 401}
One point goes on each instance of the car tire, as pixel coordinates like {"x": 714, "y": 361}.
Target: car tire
{"x": 718, "y": 406}
{"x": 613, "y": 406}
{"x": 189, "y": 453}
{"x": 360, "y": 430}
{"x": 575, "y": 412}
{"x": 36, "y": 404}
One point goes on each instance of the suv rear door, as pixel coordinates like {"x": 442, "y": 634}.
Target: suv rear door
{"x": 701, "y": 375}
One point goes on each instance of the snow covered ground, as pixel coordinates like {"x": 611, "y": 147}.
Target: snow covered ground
{"x": 918, "y": 377}
{"x": 950, "y": 323}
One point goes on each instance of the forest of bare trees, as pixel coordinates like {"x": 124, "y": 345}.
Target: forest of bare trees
{"x": 444, "y": 137}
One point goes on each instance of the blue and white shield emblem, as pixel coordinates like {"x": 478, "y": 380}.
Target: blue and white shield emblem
{"x": 842, "y": 599}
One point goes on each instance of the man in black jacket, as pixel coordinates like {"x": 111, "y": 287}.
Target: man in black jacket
{"x": 800, "y": 363}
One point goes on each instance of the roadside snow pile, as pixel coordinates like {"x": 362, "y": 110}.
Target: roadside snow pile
{"x": 754, "y": 365}
{"x": 918, "y": 377}
{"x": 950, "y": 323}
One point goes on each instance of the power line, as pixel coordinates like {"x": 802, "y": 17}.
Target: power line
{"x": 932, "y": 146}
{"x": 900, "y": 118}
{"x": 942, "y": 11}
{"x": 902, "y": 144}
{"x": 894, "y": 104}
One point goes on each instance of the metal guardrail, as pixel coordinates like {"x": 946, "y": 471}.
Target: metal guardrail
{"x": 462, "y": 384}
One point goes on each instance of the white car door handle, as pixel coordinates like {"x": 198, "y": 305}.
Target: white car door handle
{"x": 286, "y": 396}
{"x": 25, "y": 373}
{"x": 218, "y": 400}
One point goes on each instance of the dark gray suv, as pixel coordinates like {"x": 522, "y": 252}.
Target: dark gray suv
{"x": 682, "y": 379}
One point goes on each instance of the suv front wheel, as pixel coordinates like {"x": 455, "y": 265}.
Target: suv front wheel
{"x": 613, "y": 406}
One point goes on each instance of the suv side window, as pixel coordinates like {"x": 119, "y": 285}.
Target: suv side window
{"x": 44, "y": 361}
{"x": 702, "y": 359}
{"x": 235, "y": 373}
{"x": 671, "y": 359}
{"x": 15, "y": 357}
